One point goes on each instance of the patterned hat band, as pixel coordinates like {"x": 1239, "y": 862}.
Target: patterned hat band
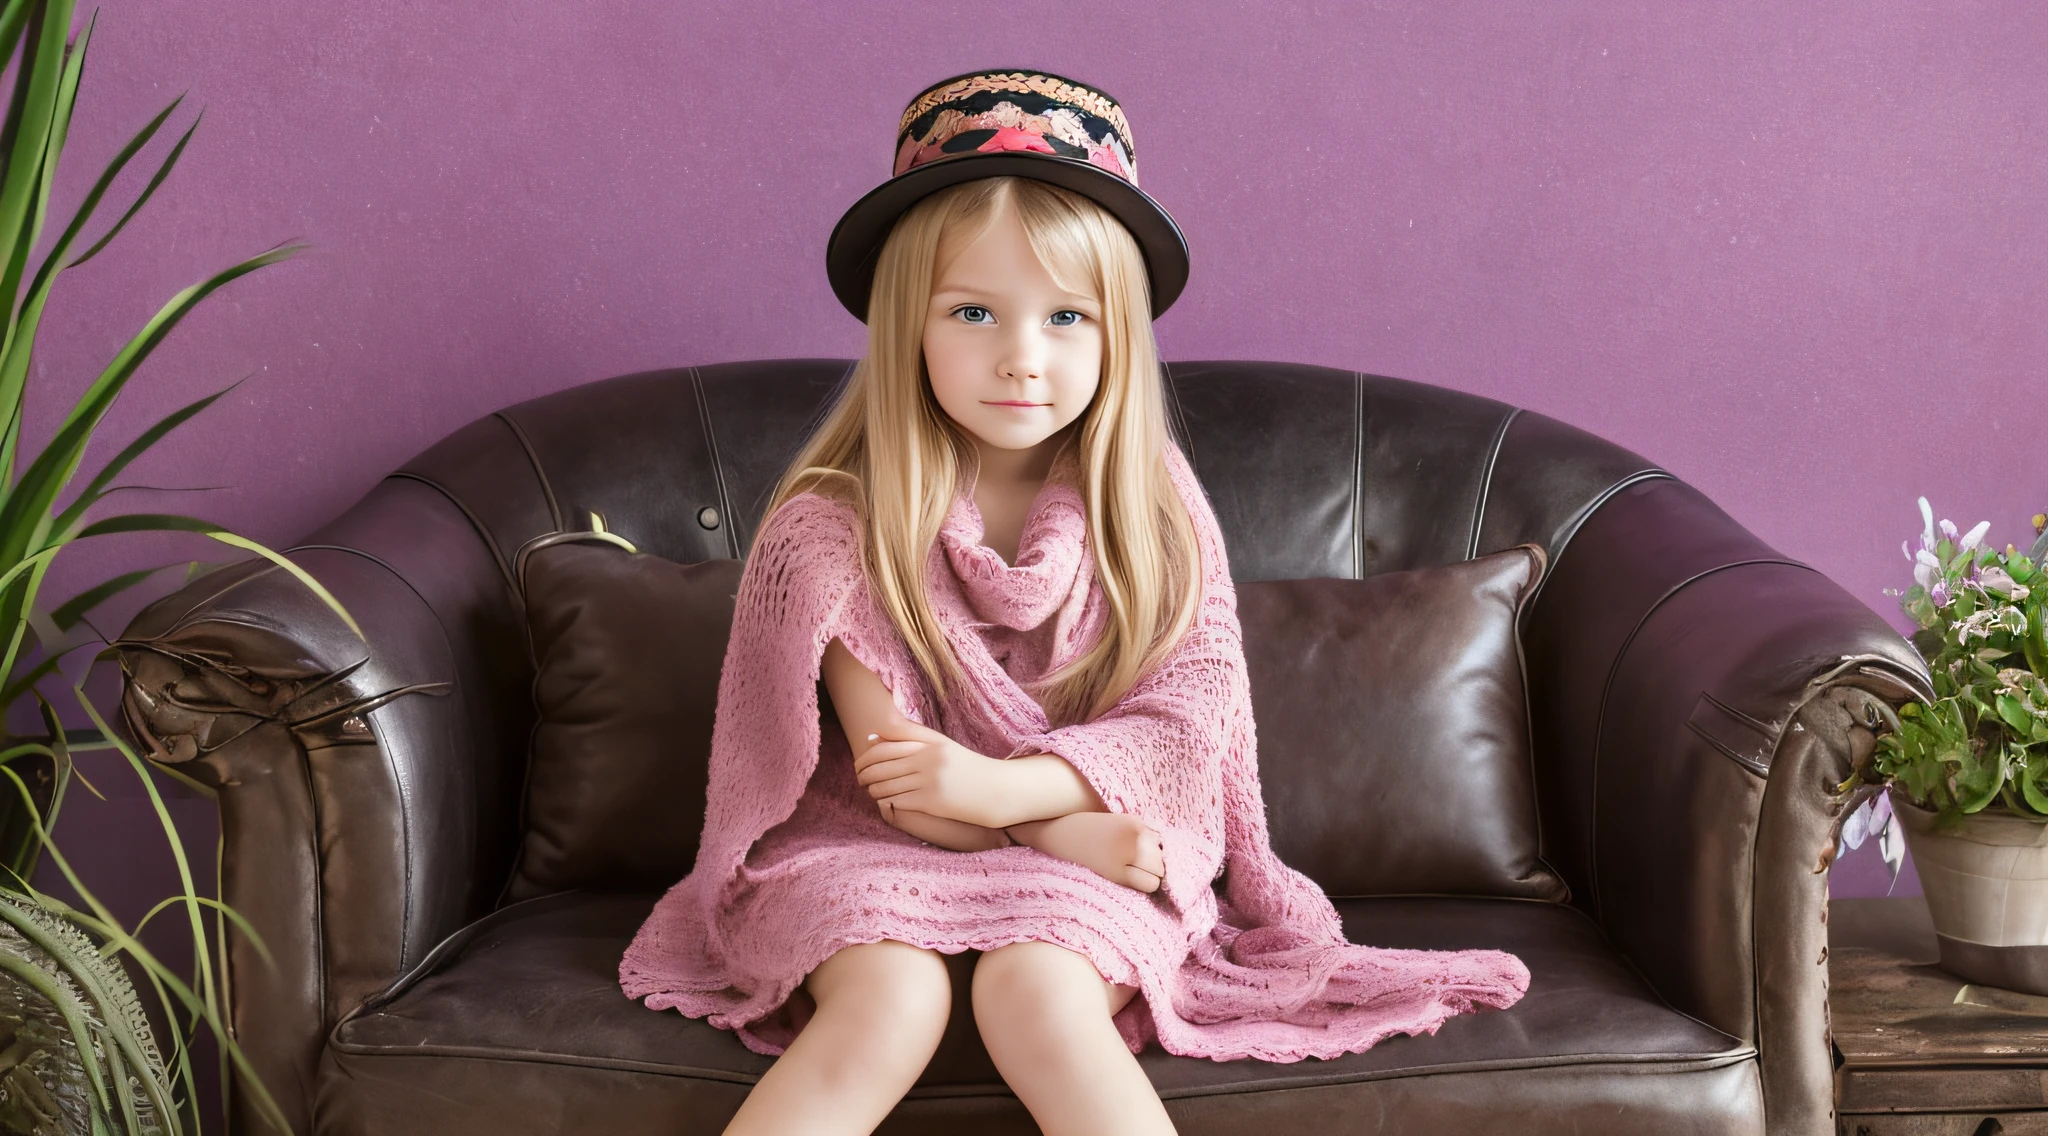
{"x": 996, "y": 111}
{"x": 1005, "y": 122}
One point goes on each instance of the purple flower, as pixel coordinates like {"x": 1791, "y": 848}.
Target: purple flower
{"x": 1856, "y": 829}
{"x": 1891, "y": 838}
{"x": 1927, "y": 570}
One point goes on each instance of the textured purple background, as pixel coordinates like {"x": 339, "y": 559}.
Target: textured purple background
{"x": 1794, "y": 253}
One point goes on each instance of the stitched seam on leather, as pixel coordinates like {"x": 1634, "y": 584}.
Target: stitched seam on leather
{"x": 1760, "y": 768}
{"x": 732, "y": 541}
{"x": 547, "y": 488}
{"x": 1676, "y": 1062}
{"x": 526, "y": 635}
{"x": 1500, "y": 437}
{"x": 1540, "y": 568}
{"x": 405, "y": 922}
{"x": 400, "y": 576}
{"x": 404, "y": 815}
{"x": 1756, "y": 992}
{"x": 1818, "y": 685}
{"x": 1358, "y": 475}
{"x": 451, "y": 944}
{"x": 483, "y": 532}
{"x": 1763, "y": 728}
{"x": 1759, "y": 1010}
{"x": 1704, "y": 1062}
{"x": 224, "y": 587}
{"x": 1562, "y": 538}
{"x": 1756, "y": 769}
{"x": 319, "y": 875}
{"x": 1607, "y": 692}
{"x": 535, "y": 1057}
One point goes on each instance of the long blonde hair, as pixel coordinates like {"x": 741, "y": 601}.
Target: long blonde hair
{"x": 889, "y": 448}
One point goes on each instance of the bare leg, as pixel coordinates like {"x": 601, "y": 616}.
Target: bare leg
{"x": 1119, "y": 847}
{"x": 1044, "y": 1012}
{"x": 881, "y": 1009}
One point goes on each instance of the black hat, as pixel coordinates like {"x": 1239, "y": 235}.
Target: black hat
{"x": 1022, "y": 123}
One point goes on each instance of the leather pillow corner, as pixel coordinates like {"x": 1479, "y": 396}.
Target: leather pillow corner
{"x": 627, "y": 652}
{"x": 1401, "y": 698}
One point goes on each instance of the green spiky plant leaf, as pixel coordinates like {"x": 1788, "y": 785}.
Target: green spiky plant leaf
{"x": 89, "y": 1059}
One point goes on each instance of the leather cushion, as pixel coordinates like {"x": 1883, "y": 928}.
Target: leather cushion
{"x": 1393, "y": 728}
{"x": 518, "y": 1025}
{"x": 627, "y": 652}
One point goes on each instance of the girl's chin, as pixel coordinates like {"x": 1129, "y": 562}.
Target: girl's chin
{"x": 1012, "y": 438}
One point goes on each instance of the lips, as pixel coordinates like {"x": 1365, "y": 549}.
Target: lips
{"x": 985, "y": 402}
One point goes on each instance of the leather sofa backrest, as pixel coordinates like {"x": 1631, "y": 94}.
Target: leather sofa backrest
{"x": 1313, "y": 472}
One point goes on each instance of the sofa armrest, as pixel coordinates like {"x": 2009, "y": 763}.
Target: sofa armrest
{"x": 367, "y": 786}
{"x": 1695, "y": 699}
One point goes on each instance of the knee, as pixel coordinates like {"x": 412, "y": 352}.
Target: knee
{"x": 1036, "y": 989}
{"x": 893, "y": 986}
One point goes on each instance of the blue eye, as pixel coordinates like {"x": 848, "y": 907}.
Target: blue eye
{"x": 975, "y": 313}
{"x": 1057, "y": 321}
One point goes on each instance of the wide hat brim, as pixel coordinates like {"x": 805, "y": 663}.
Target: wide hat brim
{"x": 857, "y": 240}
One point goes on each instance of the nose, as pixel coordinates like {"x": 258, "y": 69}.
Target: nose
{"x": 1023, "y": 356}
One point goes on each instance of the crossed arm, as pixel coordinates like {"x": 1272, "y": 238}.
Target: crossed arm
{"x": 943, "y": 793}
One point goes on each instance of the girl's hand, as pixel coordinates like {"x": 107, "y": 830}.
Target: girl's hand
{"x": 1119, "y": 847}
{"x": 909, "y": 766}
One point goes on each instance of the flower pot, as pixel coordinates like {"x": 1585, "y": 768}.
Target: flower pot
{"x": 1987, "y": 888}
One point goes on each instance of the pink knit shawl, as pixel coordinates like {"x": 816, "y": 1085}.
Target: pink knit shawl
{"x": 795, "y": 862}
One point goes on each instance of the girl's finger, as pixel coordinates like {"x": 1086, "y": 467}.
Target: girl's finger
{"x": 1151, "y": 858}
{"x": 885, "y": 751}
{"x": 884, "y": 770}
{"x": 893, "y": 788}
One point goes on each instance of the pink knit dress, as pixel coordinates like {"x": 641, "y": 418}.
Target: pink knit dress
{"x": 795, "y": 861}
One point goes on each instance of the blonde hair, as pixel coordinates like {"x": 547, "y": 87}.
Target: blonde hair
{"x": 888, "y": 447}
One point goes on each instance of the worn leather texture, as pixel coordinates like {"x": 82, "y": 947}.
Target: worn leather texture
{"x": 627, "y": 649}
{"x": 1691, "y": 696}
{"x": 1400, "y": 695}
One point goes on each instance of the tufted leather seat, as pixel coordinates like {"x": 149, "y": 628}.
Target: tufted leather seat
{"x": 1692, "y": 698}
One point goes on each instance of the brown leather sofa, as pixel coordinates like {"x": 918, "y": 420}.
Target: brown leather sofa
{"x": 1693, "y": 698}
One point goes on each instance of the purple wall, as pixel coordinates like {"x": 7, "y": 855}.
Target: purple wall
{"x": 1798, "y": 254}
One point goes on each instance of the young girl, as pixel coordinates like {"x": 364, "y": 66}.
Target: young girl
{"x": 1017, "y": 599}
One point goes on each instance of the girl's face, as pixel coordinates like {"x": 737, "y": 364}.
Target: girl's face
{"x": 1014, "y": 358}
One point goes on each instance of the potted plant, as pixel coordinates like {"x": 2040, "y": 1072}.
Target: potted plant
{"x": 1967, "y": 773}
{"x": 77, "y": 1050}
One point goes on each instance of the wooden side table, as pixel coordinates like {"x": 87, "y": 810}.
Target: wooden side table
{"x": 1920, "y": 1053}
